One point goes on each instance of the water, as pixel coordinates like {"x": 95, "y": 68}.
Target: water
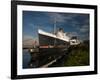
{"x": 29, "y": 60}
{"x": 26, "y": 58}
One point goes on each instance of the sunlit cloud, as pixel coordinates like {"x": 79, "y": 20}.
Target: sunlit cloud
{"x": 29, "y": 41}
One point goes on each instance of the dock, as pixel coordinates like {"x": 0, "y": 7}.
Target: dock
{"x": 51, "y": 62}
{"x": 48, "y": 64}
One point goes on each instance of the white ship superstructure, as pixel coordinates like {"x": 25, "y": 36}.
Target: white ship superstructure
{"x": 59, "y": 38}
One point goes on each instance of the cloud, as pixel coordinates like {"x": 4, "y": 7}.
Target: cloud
{"x": 28, "y": 41}
{"x": 61, "y": 17}
{"x": 84, "y": 28}
{"x": 56, "y": 16}
{"x": 83, "y": 32}
{"x": 71, "y": 34}
{"x": 26, "y": 37}
{"x": 84, "y": 37}
{"x": 33, "y": 26}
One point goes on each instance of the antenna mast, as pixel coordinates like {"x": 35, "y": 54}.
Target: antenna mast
{"x": 54, "y": 25}
{"x": 55, "y": 30}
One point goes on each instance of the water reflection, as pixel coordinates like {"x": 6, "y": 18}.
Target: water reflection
{"x": 26, "y": 58}
{"x": 35, "y": 60}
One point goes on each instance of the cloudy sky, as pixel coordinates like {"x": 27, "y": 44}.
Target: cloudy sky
{"x": 74, "y": 23}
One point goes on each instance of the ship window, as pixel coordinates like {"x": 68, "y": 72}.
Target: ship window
{"x": 73, "y": 41}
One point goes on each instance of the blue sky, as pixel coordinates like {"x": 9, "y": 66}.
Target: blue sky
{"x": 73, "y": 23}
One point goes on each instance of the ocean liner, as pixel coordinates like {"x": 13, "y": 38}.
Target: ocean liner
{"x": 58, "y": 39}
{"x": 52, "y": 46}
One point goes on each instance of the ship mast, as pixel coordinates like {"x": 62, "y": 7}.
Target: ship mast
{"x": 55, "y": 30}
{"x": 54, "y": 25}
